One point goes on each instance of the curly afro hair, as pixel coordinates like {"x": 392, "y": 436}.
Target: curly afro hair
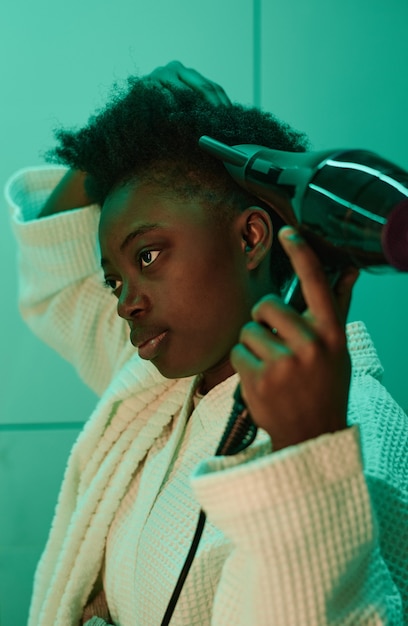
{"x": 149, "y": 132}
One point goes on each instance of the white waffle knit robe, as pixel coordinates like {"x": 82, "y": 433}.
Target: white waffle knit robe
{"x": 312, "y": 535}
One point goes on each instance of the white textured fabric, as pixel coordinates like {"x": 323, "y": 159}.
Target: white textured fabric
{"x": 315, "y": 534}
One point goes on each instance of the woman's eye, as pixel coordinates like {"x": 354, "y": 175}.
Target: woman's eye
{"x": 112, "y": 283}
{"x": 147, "y": 257}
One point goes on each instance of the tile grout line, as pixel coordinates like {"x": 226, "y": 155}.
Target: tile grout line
{"x": 42, "y": 426}
{"x": 257, "y": 30}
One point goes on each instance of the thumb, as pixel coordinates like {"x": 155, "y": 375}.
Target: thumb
{"x": 343, "y": 290}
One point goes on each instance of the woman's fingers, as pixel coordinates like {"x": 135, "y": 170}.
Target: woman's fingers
{"x": 178, "y": 75}
{"x": 286, "y": 324}
{"x": 314, "y": 284}
{"x": 262, "y": 341}
{"x": 343, "y": 290}
{"x": 213, "y": 92}
{"x": 327, "y": 307}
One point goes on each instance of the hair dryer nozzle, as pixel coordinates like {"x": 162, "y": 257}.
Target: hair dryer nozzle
{"x": 222, "y": 151}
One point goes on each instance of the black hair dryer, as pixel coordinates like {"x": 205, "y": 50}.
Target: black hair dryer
{"x": 350, "y": 205}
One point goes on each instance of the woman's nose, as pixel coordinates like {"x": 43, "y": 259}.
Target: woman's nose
{"x": 131, "y": 303}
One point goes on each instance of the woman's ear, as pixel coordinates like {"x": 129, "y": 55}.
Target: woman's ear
{"x": 256, "y": 231}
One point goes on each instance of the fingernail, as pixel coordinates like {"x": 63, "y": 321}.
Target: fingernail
{"x": 291, "y": 234}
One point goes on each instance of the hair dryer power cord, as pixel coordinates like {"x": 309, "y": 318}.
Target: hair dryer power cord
{"x": 239, "y": 433}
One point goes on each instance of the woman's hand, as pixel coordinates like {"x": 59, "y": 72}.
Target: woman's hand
{"x": 178, "y": 75}
{"x": 295, "y": 379}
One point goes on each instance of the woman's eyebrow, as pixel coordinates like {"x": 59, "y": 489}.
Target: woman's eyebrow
{"x": 141, "y": 230}
{"x": 137, "y": 232}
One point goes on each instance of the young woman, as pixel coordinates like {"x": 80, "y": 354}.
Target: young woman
{"x": 302, "y": 525}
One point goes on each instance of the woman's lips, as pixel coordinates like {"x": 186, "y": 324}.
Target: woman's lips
{"x": 149, "y": 349}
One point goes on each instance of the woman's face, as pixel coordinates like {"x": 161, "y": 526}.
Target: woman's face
{"x": 181, "y": 281}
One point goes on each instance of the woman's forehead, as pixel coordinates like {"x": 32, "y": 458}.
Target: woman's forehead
{"x": 148, "y": 203}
